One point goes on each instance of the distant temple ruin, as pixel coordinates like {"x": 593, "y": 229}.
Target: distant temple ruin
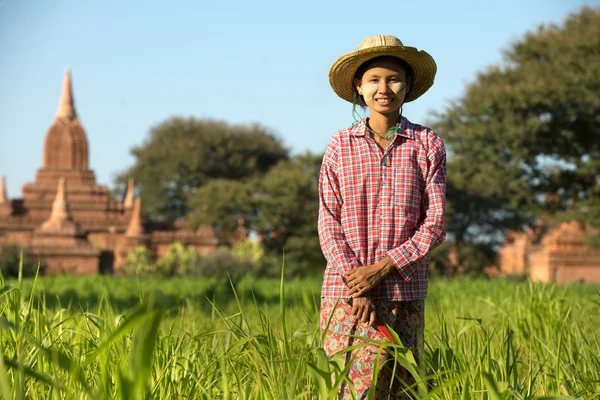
{"x": 72, "y": 223}
{"x": 557, "y": 255}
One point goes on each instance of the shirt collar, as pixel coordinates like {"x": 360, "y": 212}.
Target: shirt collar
{"x": 360, "y": 129}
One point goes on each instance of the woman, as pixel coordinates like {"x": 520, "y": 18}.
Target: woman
{"x": 382, "y": 194}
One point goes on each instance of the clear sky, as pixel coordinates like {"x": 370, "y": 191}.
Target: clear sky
{"x": 137, "y": 63}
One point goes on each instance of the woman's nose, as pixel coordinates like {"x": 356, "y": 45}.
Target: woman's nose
{"x": 382, "y": 87}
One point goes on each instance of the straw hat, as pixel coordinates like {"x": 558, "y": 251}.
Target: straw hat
{"x": 344, "y": 68}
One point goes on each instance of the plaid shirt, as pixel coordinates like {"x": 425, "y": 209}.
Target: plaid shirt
{"x": 368, "y": 211}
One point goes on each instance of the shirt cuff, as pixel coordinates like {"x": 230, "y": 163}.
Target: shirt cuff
{"x": 404, "y": 265}
{"x": 351, "y": 265}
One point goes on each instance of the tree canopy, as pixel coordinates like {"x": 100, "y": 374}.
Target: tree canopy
{"x": 231, "y": 177}
{"x": 281, "y": 207}
{"x": 524, "y": 139}
{"x": 183, "y": 154}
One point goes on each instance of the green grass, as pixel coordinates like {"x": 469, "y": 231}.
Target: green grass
{"x": 105, "y": 337}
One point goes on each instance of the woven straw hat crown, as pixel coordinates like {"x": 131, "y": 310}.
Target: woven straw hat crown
{"x": 343, "y": 70}
{"x": 379, "y": 40}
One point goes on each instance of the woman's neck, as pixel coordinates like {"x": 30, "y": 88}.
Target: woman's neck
{"x": 381, "y": 123}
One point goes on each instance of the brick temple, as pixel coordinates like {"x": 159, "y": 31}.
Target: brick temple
{"x": 72, "y": 223}
{"x": 551, "y": 254}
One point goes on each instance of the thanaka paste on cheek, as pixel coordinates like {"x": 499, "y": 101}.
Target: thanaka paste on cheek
{"x": 369, "y": 90}
{"x": 396, "y": 87}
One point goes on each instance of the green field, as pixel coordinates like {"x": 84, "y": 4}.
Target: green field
{"x": 105, "y": 337}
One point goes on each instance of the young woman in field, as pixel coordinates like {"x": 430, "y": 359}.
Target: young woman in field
{"x": 382, "y": 194}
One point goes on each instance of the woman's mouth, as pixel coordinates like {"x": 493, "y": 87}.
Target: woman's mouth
{"x": 384, "y": 101}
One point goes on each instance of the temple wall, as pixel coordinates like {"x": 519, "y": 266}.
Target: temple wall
{"x": 22, "y": 238}
{"x": 576, "y": 267}
{"x": 160, "y": 249}
{"x": 512, "y": 256}
{"x": 66, "y": 264}
{"x": 561, "y": 256}
{"x": 102, "y": 240}
{"x": 539, "y": 266}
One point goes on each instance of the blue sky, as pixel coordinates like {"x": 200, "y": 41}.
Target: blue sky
{"x": 137, "y": 63}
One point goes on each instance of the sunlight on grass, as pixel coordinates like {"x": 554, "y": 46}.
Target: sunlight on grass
{"x": 105, "y": 337}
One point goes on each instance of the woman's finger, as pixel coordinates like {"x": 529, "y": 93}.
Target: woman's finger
{"x": 361, "y": 313}
{"x": 355, "y": 287}
{"x": 372, "y": 319}
{"x": 358, "y": 313}
{"x": 365, "y": 315}
{"x": 360, "y": 291}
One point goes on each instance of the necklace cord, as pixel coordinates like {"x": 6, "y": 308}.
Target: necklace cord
{"x": 390, "y": 134}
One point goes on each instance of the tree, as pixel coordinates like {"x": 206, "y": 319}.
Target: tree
{"x": 287, "y": 202}
{"x": 527, "y": 129}
{"x": 183, "y": 154}
{"x": 223, "y": 204}
{"x": 281, "y": 207}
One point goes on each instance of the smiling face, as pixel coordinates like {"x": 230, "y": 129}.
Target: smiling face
{"x": 383, "y": 85}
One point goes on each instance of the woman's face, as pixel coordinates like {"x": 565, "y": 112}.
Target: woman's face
{"x": 383, "y": 86}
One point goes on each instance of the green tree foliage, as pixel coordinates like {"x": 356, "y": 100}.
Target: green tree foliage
{"x": 524, "y": 129}
{"x": 280, "y": 206}
{"x": 232, "y": 177}
{"x": 183, "y": 154}
{"x": 288, "y": 206}
{"x": 222, "y": 204}
{"x": 468, "y": 259}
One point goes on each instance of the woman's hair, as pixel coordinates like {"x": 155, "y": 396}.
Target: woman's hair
{"x": 367, "y": 65}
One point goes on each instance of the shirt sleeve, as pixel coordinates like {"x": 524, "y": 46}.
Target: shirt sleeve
{"x": 432, "y": 230}
{"x": 331, "y": 236}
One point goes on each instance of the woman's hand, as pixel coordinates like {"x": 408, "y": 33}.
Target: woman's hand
{"x": 364, "y": 310}
{"x": 362, "y": 279}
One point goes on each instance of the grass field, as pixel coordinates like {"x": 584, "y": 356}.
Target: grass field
{"x": 105, "y": 337}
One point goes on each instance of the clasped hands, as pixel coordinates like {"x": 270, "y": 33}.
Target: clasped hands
{"x": 362, "y": 279}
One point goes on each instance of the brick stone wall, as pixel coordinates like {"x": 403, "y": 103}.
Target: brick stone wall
{"x": 558, "y": 255}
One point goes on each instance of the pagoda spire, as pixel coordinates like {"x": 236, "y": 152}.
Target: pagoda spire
{"x": 135, "y": 228}
{"x": 129, "y": 194}
{"x": 66, "y": 144}
{"x": 60, "y": 220}
{"x": 66, "y": 108}
{"x": 3, "y": 196}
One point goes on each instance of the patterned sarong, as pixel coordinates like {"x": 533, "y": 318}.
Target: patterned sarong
{"x": 406, "y": 318}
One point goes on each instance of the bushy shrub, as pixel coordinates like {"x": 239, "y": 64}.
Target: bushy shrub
{"x": 141, "y": 262}
{"x": 10, "y": 259}
{"x": 303, "y": 257}
{"x": 460, "y": 259}
{"x": 183, "y": 260}
{"x": 223, "y": 262}
{"x": 248, "y": 250}
{"x": 255, "y": 259}
{"x": 178, "y": 261}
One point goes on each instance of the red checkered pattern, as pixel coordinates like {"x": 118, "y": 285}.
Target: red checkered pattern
{"x": 368, "y": 211}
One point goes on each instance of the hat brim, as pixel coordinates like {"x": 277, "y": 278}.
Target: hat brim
{"x": 424, "y": 68}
